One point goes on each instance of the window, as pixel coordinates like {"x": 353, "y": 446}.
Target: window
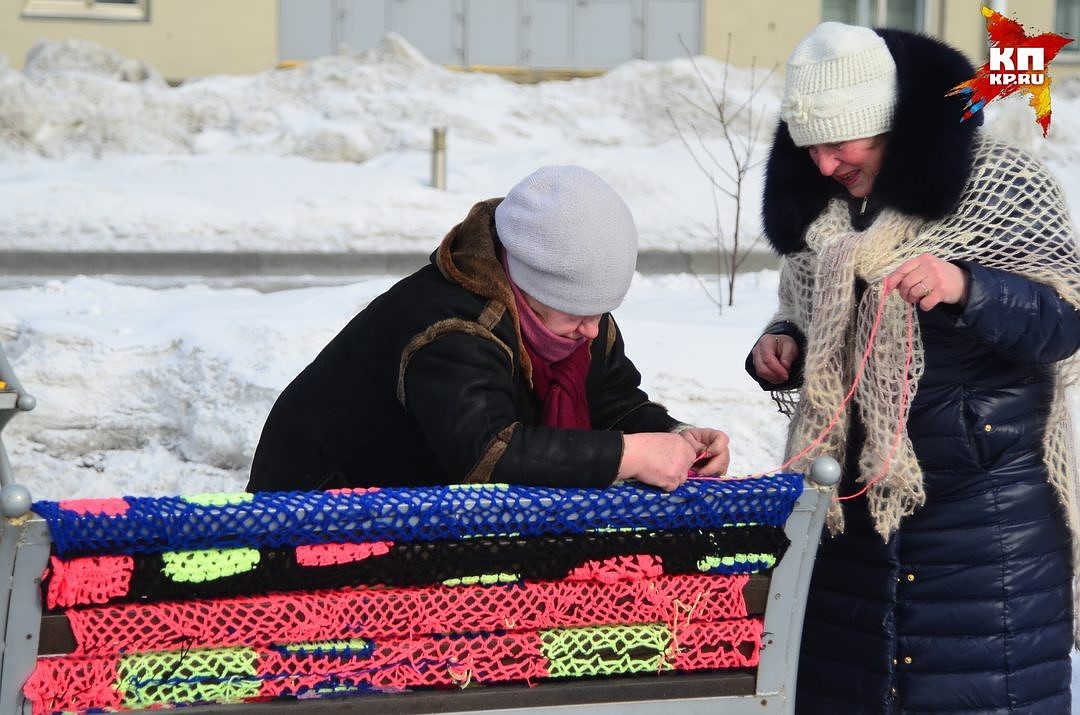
{"x": 1067, "y": 22}
{"x": 901, "y": 14}
{"x": 845, "y": 11}
{"x": 138, "y": 10}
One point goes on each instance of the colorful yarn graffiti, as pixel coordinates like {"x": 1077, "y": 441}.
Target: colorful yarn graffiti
{"x": 546, "y": 584}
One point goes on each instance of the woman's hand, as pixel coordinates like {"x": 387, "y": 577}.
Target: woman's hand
{"x": 773, "y": 357}
{"x": 661, "y": 459}
{"x": 712, "y": 444}
{"x": 927, "y": 280}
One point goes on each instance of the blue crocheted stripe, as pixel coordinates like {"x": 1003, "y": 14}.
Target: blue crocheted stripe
{"x": 276, "y": 519}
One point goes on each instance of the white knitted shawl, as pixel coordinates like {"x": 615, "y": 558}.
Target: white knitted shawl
{"x": 1011, "y": 216}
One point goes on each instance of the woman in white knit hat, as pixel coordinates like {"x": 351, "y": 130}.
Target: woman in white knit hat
{"x": 947, "y": 582}
{"x": 498, "y": 362}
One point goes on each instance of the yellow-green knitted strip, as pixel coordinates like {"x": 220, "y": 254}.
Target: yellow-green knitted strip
{"x": 605, "y": 650}
{"x": 488, "y": 579}
{"x": 219, "y": 498}
{"x": 764, "y": 561}
{"x": 184, "y": 677}
{"x": 350, "y": 646}
{"x": 208, "y": 564}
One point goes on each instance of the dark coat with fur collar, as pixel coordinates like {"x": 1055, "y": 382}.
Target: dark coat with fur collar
{"x": 429, "y": 385}
{"x": 967, "y": 608}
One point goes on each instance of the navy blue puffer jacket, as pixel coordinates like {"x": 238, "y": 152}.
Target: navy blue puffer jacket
{"x": 967, "y": 609}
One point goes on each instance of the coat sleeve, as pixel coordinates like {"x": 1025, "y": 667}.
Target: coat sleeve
{"x": 616, "y": 400}
{"x": 460, "y": 389}
{"x": 1022, "y": 320}
{"x": 795, "y": 375}
{"x": 795, "y": 270}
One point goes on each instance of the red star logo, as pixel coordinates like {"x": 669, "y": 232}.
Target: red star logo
{"x": 1018, "y": 63}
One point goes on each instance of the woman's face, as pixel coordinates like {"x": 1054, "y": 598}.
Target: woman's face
{"x": 563, "y": 324}
{"x": 854, "y": 164}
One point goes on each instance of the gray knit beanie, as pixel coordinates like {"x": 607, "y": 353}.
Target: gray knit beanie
{"x": 841, "y": 85}
{"x": 570, "y": 240}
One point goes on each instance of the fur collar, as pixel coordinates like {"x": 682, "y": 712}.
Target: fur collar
{"x": 471, "y": 256}
{"x": 927, "y": 160}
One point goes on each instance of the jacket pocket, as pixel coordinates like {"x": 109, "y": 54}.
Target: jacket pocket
{"x": 993, "y": 441}
{"x": 967, "y": 413}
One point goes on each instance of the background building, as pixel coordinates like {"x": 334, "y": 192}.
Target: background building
{"x": 186, "y": 38}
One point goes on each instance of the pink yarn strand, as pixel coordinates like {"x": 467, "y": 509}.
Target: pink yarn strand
{"x": 847, "y": 398}
{"x": 901, "y": 419}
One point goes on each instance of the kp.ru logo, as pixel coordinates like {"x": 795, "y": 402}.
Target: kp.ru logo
{"x": 1028, "y": 68}
{"x": 1017, "y": 63}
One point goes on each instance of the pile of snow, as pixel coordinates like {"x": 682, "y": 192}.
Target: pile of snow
{"x": 144, "y": 391}
{"x": 76, "y": 99}
{"x": 334, "y": 155}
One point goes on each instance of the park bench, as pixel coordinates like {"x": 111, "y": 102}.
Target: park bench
{"x": 725, "y": 640}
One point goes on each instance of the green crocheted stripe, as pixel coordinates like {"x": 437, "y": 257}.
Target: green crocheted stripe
{"x": 605, "y": 650}
{"x": 488, "y": 579}
{"x": 479, "y": 486}
{"x": 762, "y": 561}
{"x": 349, "y": 648}
{"x": 220, "y": 675}
{"x": 219, "y": 498}
{"x": 208, "y": 564}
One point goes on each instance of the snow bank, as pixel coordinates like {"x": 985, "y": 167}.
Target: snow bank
{"x": 179, "y": 380}
{"x": 334, "y": 155}
{"x": 76, "y": 99}
{"x": 165, "y": 391}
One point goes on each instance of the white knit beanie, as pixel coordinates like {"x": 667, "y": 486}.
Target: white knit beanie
{"x": 841, "y": 85}
{"x": 570, "y": 240}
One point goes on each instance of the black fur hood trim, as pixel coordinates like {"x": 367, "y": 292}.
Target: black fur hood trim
{"x": 927, "y": 159}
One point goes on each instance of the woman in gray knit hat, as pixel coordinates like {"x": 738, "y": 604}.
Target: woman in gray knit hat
{"x": 498, "y": 362}
{"x": 947, "y": 582}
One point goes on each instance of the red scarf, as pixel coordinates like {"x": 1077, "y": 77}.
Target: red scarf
{"x": 559, "y": 368}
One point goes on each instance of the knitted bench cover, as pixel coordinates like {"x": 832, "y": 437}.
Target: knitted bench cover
{"x": 229, "y": 675}
{"x": 234, "y": 598}
{"x": 402, "y": 612}
{"x": 155, "y": 524}
{"x": 87, "y": 580}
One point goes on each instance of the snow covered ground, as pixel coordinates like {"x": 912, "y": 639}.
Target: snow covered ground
{"x": 145, "y": 391}
{"x": 161, "y": 390}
